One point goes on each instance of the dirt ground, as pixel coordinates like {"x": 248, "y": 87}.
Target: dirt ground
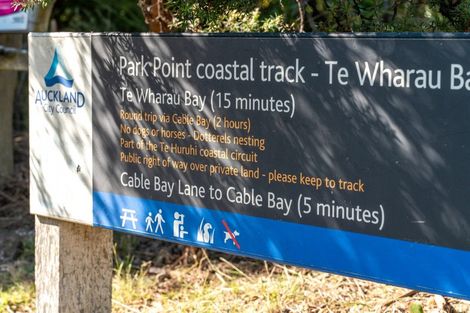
{"x": 16, "y": 224}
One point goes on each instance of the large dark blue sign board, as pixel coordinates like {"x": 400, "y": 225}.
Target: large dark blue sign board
{"x": 339, "y": 153}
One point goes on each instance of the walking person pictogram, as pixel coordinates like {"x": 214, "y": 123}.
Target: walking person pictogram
{"x": 159, "y": 219}
{"x": 149, "y": 221}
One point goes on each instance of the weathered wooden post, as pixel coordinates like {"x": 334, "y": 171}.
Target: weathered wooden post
{"x": 73, "y": 267}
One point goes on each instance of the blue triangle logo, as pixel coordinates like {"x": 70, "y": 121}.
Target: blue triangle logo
{"x": 51, "y": 78}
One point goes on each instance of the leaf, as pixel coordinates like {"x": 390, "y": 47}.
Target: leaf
{"x": 416, "y": 308}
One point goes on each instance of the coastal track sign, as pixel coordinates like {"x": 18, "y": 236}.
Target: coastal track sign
{"x": 342, "y": 153}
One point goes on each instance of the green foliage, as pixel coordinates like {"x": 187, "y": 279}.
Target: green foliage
{"x": 232, "y": 15}
{"x": 29, "y": 4}
{"x": 459, "y": 16}
{"x": 125, "y": 244}
{"x": 384, "y": 16}
{"x": 122, "y": 265}
{"x": 92, "y": 15}
{"x": 268, "y": 15}
{"x": 98, "y": 15}
{"x": 320, "y": 15}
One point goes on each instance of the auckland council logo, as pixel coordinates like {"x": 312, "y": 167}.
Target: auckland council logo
{"x": 53, "y": 78}
{"x": 53, "y": 98}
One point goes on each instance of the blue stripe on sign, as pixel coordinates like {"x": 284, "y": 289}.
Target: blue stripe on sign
{"x": 412, "y": 265}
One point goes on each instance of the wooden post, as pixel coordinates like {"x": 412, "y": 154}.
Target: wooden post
{"x": 73, "y": 267}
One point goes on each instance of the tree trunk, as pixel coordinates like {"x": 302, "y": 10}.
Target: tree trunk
{"x": 156, "y": 15}
{"x": 41, "y": 17}
{"x": 7, "y": 91}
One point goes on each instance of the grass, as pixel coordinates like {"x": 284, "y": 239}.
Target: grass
{"x": 17, "y": 290}
{"x": 18, "y": 298}
{"x": 217, "y": 285}
{"x": 220, "y": 283}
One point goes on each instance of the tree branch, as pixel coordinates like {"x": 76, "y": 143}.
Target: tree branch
{"x": 300, "y": 5}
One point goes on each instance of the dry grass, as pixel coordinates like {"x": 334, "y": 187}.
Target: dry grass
{"x": 247, "y": 286}
{"x": 250, "y": 286}
{"x": 18, "y": 298}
